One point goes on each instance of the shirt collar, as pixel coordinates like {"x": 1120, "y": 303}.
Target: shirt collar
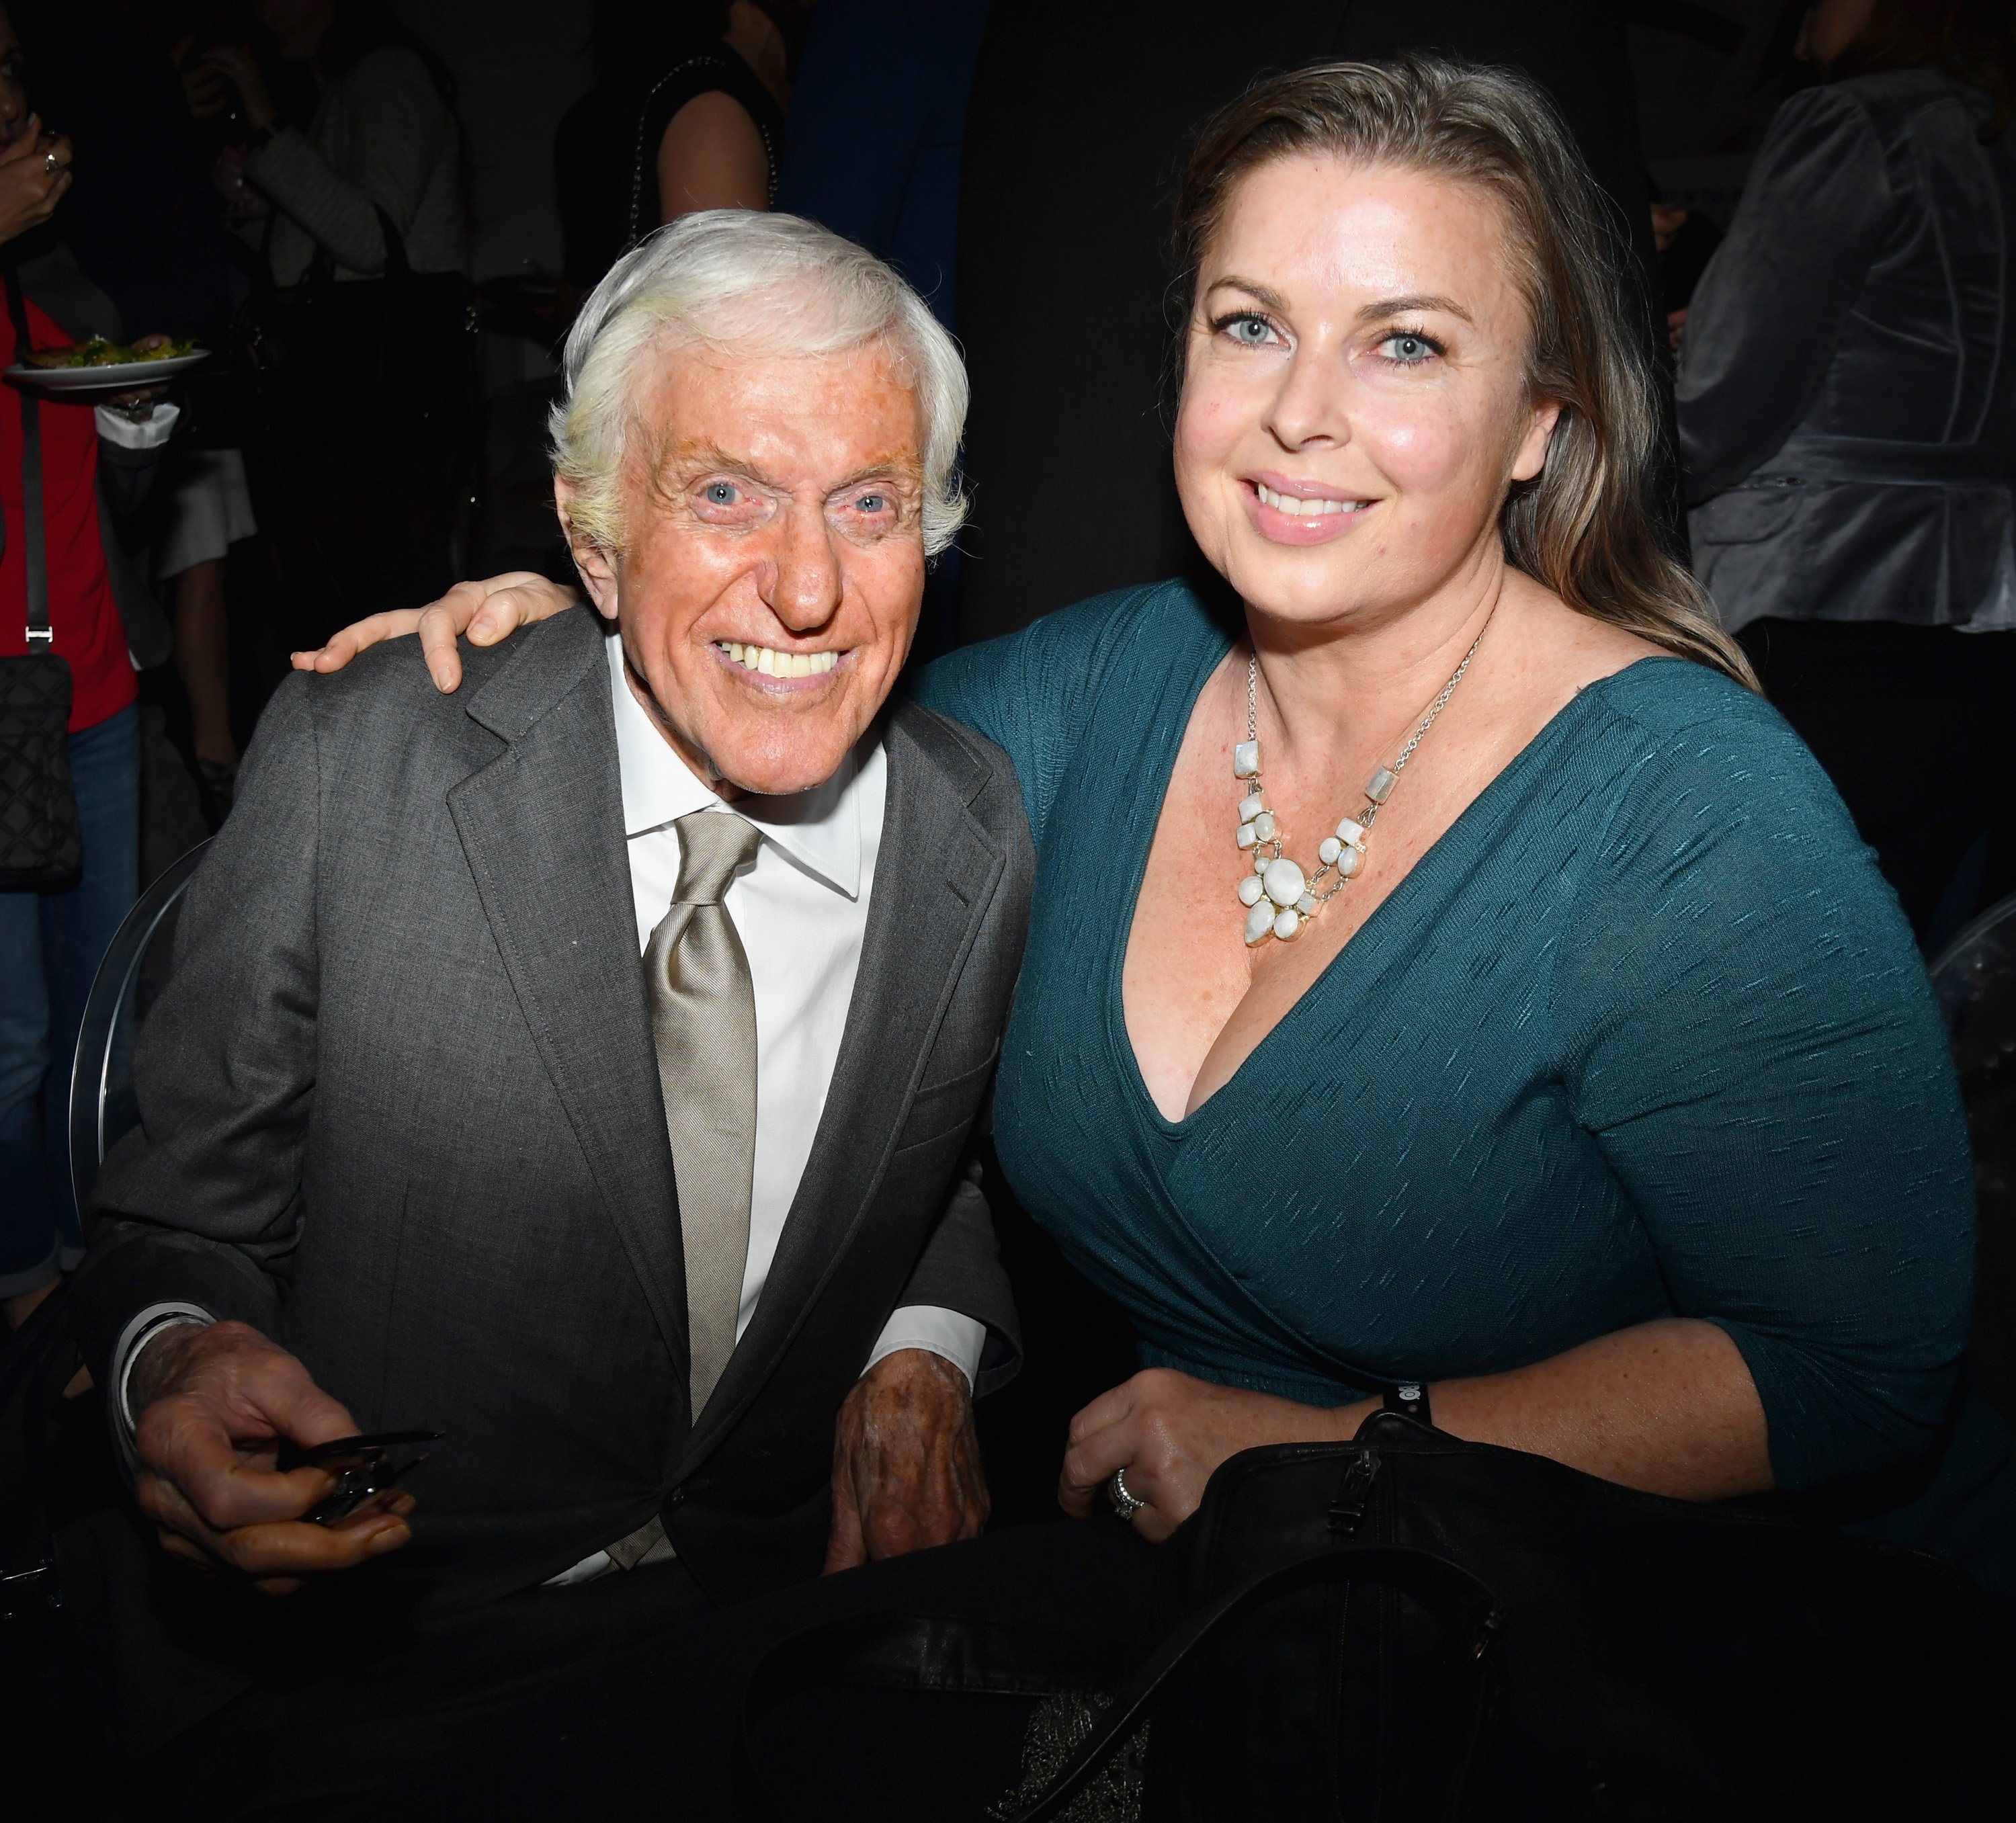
{"x": 819, "y": 829}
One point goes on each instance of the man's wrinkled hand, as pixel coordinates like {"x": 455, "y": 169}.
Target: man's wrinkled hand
{"x": 212, "y": 1405}
{"x": 906, "y": 1470}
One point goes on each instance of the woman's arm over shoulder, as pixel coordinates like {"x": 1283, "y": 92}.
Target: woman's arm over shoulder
{"x": 1762, "y": 327}
{"x": 1747, "y": 1032}
{"x": 1033, "y": 692}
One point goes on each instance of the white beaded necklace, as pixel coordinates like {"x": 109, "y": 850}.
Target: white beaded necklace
{"x": 1279, "y": 897}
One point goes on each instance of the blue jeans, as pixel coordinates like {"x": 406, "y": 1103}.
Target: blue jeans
{"x": 50, "y": 946}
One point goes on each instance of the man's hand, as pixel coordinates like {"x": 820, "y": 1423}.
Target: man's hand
{"x": 212, "y": 1404}
{"x": 906, "y": 1471}
{"x": 486, "y": 611}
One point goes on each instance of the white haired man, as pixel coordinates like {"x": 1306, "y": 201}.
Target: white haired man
{"x": 683, "y": 1261}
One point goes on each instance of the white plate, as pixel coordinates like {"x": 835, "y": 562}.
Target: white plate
{"x": 124, "y": 378}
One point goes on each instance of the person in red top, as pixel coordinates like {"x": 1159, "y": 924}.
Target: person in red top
{"x": 51, "y": 942}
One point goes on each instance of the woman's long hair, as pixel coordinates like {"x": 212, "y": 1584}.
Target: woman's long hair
{"x": 1584, "y": 525}
{"x": 1973, "y": 40}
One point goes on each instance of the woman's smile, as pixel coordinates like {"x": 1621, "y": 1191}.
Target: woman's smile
{"x": 1285, "y": 511}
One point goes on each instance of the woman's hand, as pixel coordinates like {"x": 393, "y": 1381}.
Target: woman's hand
{"x": 237, "y": 65}
{"x": 486, "y": 611}
{"x": 205, "y": 87}
{"x": 1170, "y": 1431}
{"x": 34, "y": 174}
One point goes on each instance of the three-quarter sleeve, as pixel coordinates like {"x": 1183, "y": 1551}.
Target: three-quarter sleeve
{"x": 1033, "y": 692}
{"x": 1749, "y": 1037}
{"x": 1761, "y": 328}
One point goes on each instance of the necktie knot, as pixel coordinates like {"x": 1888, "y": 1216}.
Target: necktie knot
{"x": 712, "y": 845}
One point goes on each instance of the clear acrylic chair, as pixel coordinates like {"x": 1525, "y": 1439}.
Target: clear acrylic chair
{"x": 101, "y": 1104}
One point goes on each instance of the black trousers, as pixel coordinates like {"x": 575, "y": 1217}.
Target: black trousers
{"x": 620, "y": 1699}
{"x": 1916, "y": 727}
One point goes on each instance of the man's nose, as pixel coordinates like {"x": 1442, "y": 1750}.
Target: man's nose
{"x": 807, "y": 591}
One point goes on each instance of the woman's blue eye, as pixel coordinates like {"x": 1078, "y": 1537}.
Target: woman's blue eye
{"x": 1253, "y": 331}
{"x": 1409, "y": 350}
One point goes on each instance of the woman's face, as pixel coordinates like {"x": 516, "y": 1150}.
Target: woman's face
{"x": 1355, "y": 404}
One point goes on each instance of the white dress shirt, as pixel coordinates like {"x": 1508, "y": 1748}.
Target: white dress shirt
{"x": 801, "y": 912}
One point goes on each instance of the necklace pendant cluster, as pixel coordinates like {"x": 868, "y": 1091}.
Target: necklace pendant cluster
{"x": 1280, "y": 895}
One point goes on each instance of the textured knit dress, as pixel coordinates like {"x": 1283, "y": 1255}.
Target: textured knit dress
{"x": 1643, "y": 1035}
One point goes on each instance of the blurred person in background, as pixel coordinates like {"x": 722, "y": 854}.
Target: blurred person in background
{"x": 687, "y": 113}
{"x": 349, "y": 434}
{"x": 91, "y": 461}
{"x": 1847, "y": 398}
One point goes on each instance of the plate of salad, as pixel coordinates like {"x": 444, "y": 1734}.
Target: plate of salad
{"x": 100, "y": 366}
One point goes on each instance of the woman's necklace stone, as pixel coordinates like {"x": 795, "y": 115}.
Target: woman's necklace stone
{"x": 1280, "y": 897}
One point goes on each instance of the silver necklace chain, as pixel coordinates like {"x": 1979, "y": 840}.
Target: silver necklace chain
{"x": 1279, "y": 896}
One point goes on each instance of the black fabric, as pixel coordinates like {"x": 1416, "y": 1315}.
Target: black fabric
{"x": 1080, "y": 122}
{"x": 41, "y": 841}
{"x": 606, "y": 151}
{"x": 1649, "y": 1657}
{"x": 363, "y": 439}
{"x": 1913, "y": 724}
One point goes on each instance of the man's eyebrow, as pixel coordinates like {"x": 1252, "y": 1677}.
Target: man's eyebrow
{"x": 904, "y": 467}
{"x": 1413, "y": 302}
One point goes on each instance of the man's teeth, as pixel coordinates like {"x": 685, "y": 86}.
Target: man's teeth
{"x": 1296, "y": 508}
{"x": 773, "y": 664}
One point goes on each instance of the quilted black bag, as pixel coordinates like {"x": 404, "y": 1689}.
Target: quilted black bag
{"x": 42, "y": 845}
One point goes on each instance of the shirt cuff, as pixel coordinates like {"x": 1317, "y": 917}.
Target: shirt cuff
{"x": 132, "y": 1339}
{"x": 960, "y": 1340}
{"x": 148, "y": 433}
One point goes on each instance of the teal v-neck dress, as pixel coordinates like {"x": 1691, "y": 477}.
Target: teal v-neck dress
{"x": 1644, "y": 1034}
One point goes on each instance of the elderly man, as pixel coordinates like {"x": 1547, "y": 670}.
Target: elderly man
{"x": 680, "y": 1260}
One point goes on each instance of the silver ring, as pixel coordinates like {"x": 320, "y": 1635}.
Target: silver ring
{"x": 1123, "y": 1503}
{"x": 49, "y": 163}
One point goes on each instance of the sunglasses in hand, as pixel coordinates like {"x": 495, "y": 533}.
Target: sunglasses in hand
{"x": 362, "y": 1466}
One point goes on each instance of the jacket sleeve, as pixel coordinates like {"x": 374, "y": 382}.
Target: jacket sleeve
{"x": 201, "y": 1203}
{"x": 960, "y": 1270}
{"x": 1762, "y": 331}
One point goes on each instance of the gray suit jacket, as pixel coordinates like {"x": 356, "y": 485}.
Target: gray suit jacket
{"x": 400, "y": 1111}
{"x": 1847, "y": 385}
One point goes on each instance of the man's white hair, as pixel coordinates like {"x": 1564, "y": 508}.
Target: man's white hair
{"x": 774, "y": 284}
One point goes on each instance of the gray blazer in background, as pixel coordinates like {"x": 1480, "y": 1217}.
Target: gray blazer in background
{"x": 1847, "y": 385}
{"x": 400, "y": 1110}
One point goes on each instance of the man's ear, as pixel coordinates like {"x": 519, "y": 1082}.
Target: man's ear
{"x": 1531, "y": 456}
{"x": 597, "y": 566}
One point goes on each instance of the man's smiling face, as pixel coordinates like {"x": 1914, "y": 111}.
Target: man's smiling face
{"x": 773, "y": 561}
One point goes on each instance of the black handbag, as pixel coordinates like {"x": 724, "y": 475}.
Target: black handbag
{"x": 41, "y": 843}
{"x": 393, "y": 354}
{"x": 1409, "y": 1626}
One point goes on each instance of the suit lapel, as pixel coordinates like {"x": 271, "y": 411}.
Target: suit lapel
{"x": 541, "y": 824}
{"x": 934, "y": 882}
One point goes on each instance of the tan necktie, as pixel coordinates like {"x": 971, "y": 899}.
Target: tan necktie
{"x": 703, "y": 1025}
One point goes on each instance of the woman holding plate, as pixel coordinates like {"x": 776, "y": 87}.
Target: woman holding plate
{"x": 54, "y": 455}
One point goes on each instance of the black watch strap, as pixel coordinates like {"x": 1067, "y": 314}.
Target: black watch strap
{"x": 1410, "y": 1399}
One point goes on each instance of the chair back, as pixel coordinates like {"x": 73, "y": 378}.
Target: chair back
{"x": 102, "y": 1107}
{"x": 1975, "y": 981}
